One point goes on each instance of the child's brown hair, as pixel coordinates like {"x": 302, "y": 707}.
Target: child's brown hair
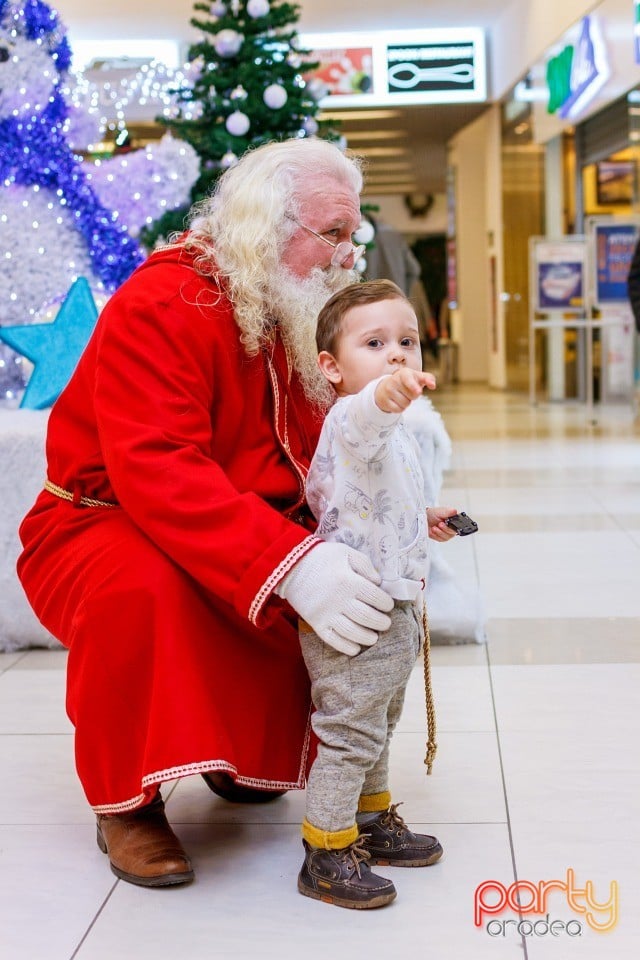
{"x": 355, "y": 295}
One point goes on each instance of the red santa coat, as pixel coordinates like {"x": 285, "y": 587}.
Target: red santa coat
{"x": 181, "y": 660}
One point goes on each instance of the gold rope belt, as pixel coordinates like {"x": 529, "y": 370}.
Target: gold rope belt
{"x": 68, "y": 495}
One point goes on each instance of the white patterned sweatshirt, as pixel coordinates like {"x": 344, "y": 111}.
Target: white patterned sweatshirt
{"x": 366, "y": 489}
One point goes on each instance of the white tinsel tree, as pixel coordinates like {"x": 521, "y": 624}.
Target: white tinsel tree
{"x": 62, "y": 217}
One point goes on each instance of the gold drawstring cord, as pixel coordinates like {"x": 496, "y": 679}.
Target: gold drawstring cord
{"x": 432, "y": 745}
{"x": 63, "y": 494}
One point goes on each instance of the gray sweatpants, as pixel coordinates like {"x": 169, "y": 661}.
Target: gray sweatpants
{"x": 358, "y": 701}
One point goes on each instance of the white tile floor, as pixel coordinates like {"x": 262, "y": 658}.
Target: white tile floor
{"x": 537, "y": 771}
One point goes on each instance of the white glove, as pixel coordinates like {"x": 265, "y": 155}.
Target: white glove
{"x": 334, "y": 588}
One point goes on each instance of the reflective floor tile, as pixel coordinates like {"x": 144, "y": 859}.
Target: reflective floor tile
{"x": 564, "y": 640}
{"x": 244, "y": 904}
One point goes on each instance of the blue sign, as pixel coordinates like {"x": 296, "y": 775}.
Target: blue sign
{"x": 615, "y": 244}
{"x": 560, "y": 285}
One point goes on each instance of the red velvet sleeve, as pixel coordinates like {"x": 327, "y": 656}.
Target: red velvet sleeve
{"x": 168, "y": 387}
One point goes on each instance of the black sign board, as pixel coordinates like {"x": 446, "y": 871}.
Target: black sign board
{"x": 430, "y": 67}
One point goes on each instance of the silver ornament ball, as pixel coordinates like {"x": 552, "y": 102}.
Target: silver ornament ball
{"x": 275, "y": 96}
{"x": 258, "y": 8}
{"x": 228, "y": 159}
{"x": 228, "y": 42}
{"x": 237, "y": 123}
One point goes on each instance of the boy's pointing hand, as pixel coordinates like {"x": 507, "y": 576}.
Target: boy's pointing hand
{"x": 395, "y": 392}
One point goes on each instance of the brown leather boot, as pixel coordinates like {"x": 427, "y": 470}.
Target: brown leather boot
{"x": 142, "y": 847}
{"x": 343, "y": 877}
{"x": 390, "y": 843}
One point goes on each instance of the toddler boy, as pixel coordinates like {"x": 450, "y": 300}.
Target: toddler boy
{"x": 365, "y": 488}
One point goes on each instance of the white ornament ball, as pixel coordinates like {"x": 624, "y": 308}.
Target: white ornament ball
{"x": 237, "y": 123}
{"x": 258, "y": 8}
{"x": 238, "y": 93}
{"x": 217, "y": 9}
{"x": 310, "y": 126}
{"x": 275, "y": 96}
{"x": 228, "y": 42}
{"x": 228, "y": 159}
{"x": 365, "y": 232}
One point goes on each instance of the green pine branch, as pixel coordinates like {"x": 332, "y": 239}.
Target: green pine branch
{"x": 268, "y": 55}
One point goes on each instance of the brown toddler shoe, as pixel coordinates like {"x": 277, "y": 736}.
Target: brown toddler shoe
{"x": 389, "y": 842}
{"x": 343, "y": 877}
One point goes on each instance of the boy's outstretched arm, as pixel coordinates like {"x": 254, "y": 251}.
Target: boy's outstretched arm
{"x": 395, "y": 392}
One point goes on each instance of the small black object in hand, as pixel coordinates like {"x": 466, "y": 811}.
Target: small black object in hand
{"x": 462, "y": 524}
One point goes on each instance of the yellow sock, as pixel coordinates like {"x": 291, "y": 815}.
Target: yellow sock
{"x": 374, "y": 802}
{"x": 329, "y": 839}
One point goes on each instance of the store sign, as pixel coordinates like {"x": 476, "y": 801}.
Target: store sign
{"x": 559, "y": 79}
{"x": 430, "y": 67}
{"x": 577, "y": 72}
{"x": 558, "y": 274}
{"x": 398, "y": 67}
{"x": 615, "y": 244}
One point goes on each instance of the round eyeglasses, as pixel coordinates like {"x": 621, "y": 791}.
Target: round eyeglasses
{"x": 342, "y": 251}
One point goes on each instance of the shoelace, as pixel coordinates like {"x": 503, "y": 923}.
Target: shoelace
{"x": 357, "y": 854}
{"x": 391, "y": 818}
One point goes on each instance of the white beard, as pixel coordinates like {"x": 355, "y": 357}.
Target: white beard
{"x": 295, "y": 304}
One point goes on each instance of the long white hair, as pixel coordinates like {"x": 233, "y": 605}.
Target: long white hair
{"x": 239, "y": 232}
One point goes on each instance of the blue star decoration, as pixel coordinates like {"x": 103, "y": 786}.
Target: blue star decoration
{"x": 54, "y": 348}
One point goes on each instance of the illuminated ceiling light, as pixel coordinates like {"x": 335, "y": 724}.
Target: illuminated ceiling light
{"x": 359, "y": 114}
{"x": 376, "y": 135}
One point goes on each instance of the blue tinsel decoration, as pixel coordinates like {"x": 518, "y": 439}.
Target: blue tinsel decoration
{"x": 39, "y": 22}
{"x": 35, "y": 151}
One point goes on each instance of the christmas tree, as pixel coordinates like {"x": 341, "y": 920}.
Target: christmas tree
{"x": 245, "y": 88}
